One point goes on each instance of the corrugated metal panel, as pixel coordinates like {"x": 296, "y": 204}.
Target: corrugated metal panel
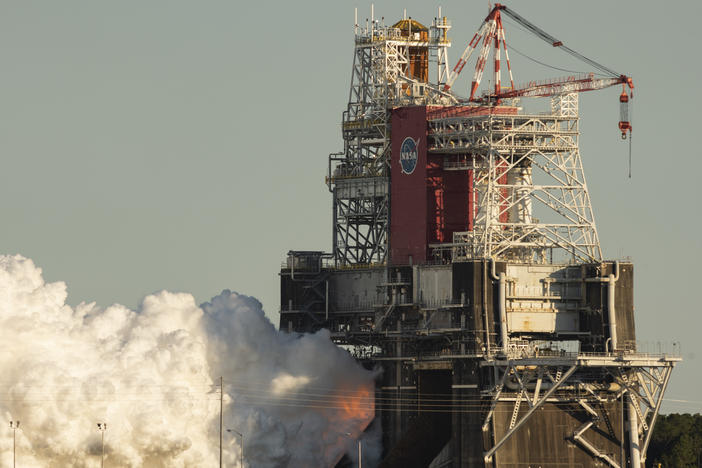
{"x": 350, "y": 290}
{"x": 433, "y": 285}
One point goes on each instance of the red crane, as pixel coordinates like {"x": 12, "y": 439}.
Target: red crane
{"x": 492, "y": 35}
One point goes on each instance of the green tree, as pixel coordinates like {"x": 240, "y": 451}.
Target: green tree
{"x": 676, "y": 441}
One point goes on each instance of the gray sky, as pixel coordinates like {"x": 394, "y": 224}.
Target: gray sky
{"x": 182, "y": 145}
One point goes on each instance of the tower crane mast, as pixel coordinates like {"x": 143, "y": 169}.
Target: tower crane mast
{"x": 491, "y": 32}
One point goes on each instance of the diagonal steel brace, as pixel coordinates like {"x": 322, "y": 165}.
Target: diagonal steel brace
{"x": 537, "y": 405}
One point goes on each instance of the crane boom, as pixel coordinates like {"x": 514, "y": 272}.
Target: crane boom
{"x": 492, "y": 32}
{"x": 466, "y": 55}
{"x": 569, "y": 84}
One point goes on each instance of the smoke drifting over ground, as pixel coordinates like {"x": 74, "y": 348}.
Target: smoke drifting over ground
{"x": 153, "y": 376}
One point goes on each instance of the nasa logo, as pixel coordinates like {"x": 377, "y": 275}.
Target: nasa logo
{"x": 408, "y": 155}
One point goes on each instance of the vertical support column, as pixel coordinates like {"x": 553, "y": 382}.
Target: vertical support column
{"x": 398, "y": 382}
{"x": 502, "y": 305}
{"x": 634, "y": 451}
{"x": 502, "y": 299}
{"x": 471, "y": 199}
{"x": 611, "y": 310}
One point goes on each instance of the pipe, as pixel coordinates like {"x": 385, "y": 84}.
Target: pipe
{"x": 634, "y": 436}
{"x": 485, "y": 312}
{"x": 512, "y": 383}
{"x": 502, "y": 295}
{"x": 502, "y": 305}
{"x": 611, "y": 311}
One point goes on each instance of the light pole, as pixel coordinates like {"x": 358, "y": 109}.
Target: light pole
{"x": 221, "y": 407}
{"x": 360, "y": 454}
{"x": 241, "y": 452}
{"x": 14, "y": 425}
{"x": 102, "y": 427}
{"x": 360, "y": 451}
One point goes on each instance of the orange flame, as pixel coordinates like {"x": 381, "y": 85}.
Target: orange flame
{"x": 358, "y": 404}
{"x": 356, "y": 410}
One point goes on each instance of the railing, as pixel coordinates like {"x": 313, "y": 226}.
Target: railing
{"x": 570, "y": 350}
{"x": 358, "y": 266}
{"x": 438, "y": 303}
{"x": 308, "y": 262}
{"x": 380, "y": 34}
{"x": 359, "y": 307}
{"x": 654, "y": 348}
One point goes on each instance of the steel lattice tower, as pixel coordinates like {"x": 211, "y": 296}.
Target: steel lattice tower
{"x": 358, "y": 177}
{"x": 523, "y": 165}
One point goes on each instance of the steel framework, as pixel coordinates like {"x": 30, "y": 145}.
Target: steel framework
{"x": 522, "y": 165}
{"x": 359, "y": 176}
{"x": 641, "y": 379}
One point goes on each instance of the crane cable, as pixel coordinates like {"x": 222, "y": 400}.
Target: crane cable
{"x": 556, "y": 43}
{"x": 527, "y": 26}
{"x": 511, "y": 47}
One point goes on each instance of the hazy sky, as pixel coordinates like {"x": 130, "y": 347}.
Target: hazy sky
{"x": 182, "y": 145}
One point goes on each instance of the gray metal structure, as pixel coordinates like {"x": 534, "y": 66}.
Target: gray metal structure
{"x": 513, "y": 344}
{"x": 358, "y": 177}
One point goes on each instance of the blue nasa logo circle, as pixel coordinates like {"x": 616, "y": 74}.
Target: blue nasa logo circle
{"x": 408, "y": 155}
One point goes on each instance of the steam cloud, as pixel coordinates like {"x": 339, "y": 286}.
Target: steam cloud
{"x": 152, "y": 375}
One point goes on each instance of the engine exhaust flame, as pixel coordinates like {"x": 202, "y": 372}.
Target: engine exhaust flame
{"x": 360, "y": 405}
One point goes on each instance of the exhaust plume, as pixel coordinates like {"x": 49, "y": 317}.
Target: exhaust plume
{"x": 152, "y": 375}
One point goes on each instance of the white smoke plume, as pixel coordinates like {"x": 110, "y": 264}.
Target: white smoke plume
{"x": 152, "y": 375}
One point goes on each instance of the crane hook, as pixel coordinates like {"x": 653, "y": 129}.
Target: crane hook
{"x": 624, "y": 123}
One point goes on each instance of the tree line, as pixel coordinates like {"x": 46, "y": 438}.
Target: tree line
{"x": 676, "y": 442}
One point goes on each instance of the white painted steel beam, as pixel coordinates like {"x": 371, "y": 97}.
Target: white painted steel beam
{"x": 488, "y": 455}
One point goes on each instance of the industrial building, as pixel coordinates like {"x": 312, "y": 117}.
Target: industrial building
{"x": 466, "y": 263}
